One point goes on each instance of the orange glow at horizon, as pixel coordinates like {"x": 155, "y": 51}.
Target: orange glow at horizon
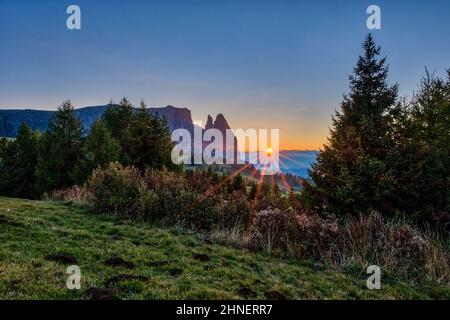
{"x": 295, "y": 133}
{"x": 293, "y": 144}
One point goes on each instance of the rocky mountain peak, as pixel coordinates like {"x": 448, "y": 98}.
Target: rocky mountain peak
{"x": 221, "y": 123}
{"x": 209, "y": 123}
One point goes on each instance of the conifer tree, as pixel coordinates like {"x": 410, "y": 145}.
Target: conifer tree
{"x": 60, "y": 150}
{"x": 351, "y": 175}
{"x": 118, "y": 118}
{"x": 150, "y": 145}
{"x": 99, "y": 150}
{"x": 430, "y": 182}
{"x": 18, "y": 167}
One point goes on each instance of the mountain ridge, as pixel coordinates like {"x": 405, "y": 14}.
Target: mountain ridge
{"x": 11, "y": 119}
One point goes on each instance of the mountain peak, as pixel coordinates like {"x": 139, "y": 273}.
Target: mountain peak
{"x": 221, "y": 123}
{"x": 209, "y": 123}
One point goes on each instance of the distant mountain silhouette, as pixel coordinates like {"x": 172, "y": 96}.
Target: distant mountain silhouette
{"x": 221, "y": 124}
{"x": 177, "y": 118}
{"x": 10, "y": 120}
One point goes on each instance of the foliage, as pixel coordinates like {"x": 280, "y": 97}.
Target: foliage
{"x": 359, "y": 241}
{"x": 117, "y": 189}
{"x": 350, "y": 175}
{"x": 99, "y": 150}
{"x": 18, "y": 160}
{"x": 60, "y": 150}
{"x": 118, "y": 118}
{"x": 430, "y": 151}
{"x": 383, "y": 154}
{"x": 149, "y": 144}
{"x": 171, "y": 193}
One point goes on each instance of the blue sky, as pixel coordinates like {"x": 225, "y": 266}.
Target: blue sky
{"x": 263, "y": 64}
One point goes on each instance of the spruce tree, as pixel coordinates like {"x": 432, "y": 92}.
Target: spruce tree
{"x": 8, "y": 151}
{"x": 150, "y": 145}
{"x": 118, "y": 118}
{"x": 60, "y": 150}
{"x": 4, "y": 146}
{"x": 99, "y": 150}
{"x": 430, "y": 181}
{"x": 351, "y": 175}
{"x": 18, "y": 167}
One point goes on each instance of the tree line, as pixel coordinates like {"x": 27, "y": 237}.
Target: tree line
{"x": 64, "y": 155}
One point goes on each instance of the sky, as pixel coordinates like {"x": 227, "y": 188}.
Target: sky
{"x": 263, "y": 64}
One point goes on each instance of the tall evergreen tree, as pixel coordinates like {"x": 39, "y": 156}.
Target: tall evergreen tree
{"x": 18, "y": 167}
{"x": 150, "y": 144}
{"x": 4, "y": 144}
{"x": 118, "y": 118}
{"x": 60, "y": 150}
{"x": 8, "y": 152}
{"x": 351, "y": 175}
{"x": 430, "y": 142}
{"x": 99, "y": 150}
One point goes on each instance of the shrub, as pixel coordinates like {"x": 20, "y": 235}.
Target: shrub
{"x": 236, "y": 211}
{"x": 200, "y": 181}
{"x": 117, "y": 190}
{"x": 299, "y": 235}
{"x": 398, "y": 248}
{"x": 197, "y": 200}
{"x": 171, "y": 195}
{"x": 204, "y": 213}
{"x": 272, "y": 229}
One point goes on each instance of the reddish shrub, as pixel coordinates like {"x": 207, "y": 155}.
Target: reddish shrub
{"x": 117, "y": 189}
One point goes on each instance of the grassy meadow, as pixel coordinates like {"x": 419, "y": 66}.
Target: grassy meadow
{"x": 135, "y": 260}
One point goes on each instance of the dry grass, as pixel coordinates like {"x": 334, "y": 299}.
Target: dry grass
{"x": 75, "y": 195}
{"x": 398, "y": 248}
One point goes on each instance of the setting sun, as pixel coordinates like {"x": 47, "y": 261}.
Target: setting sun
{"x": 269, "y": 151}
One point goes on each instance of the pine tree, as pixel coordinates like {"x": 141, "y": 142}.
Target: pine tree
{"x": 99, "y": 150}
{"x": 351, "y": 175}
{"x": 4, "y": 146}
{"x": 118, "y": 118}
{"x": 60, "y": 150}
{"x": 8, "y": 152}
{"x": 18, "y": 167}
{"x": 149, "y": 144}
{"x": 430, "y": 142}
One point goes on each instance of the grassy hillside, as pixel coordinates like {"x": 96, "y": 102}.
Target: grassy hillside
{"x": 139, "y": 261}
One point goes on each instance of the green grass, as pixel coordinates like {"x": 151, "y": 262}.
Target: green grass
{"x": 31, "y": 230}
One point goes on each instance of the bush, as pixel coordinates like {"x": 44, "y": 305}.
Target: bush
{"x": 236, "y": 211}
{"x": 219, "y": 207}
{"x": 117, "y": 190}
{"x": 204, "y": 213}
{"x": 398, "y": 248}
{"x": 299, "y": 235}
{"x": 170, "y": 193}
{"x": 197, "y": 200}
{"x": 272, "y": 229}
